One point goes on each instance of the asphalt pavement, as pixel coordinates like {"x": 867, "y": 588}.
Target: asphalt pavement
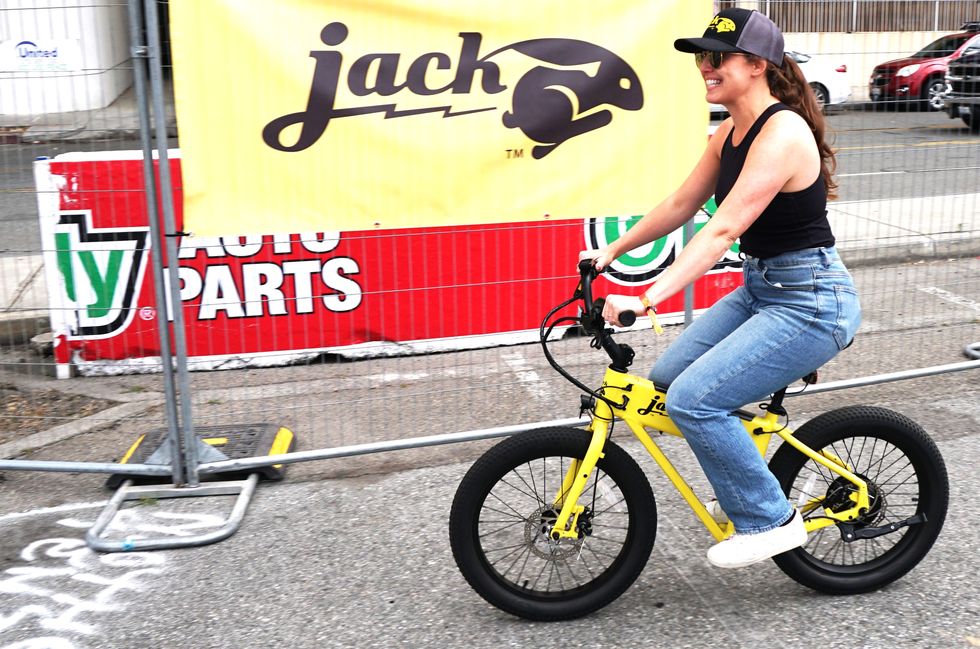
{"x": 351, "y": 553}
{"x": 365, "y": 562}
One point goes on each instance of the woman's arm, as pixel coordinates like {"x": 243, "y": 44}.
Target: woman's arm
{"x": 674, "y": 210}
{"x": 782, "y": 154}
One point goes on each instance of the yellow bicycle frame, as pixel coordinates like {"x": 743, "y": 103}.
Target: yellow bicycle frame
{"x": 641, "y": 405}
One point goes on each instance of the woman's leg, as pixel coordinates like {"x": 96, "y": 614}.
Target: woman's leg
{"x": 721, "y": 319}
{"x": 795, "y": 330}
{"x": 793, "y": 314}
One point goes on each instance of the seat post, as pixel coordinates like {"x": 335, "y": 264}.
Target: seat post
{"x": 776, "y": 404}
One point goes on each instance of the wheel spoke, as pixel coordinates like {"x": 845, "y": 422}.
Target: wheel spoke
{"x": 518, "y": 511}
{"x": 894, "y": 486}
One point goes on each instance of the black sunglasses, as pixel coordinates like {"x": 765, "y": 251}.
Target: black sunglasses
{"x": 716, "y": 59}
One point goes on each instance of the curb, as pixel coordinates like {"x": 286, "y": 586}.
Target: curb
{"x": 874, "y": 254}
{"x": 11, "y": 450}
{"x": 19, "y": 328}
{"x": 72, "y": 133}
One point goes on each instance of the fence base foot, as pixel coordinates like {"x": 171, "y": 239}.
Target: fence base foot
{"x": 243, "y": 488}
{"x": 215, "y": 443}
{"x": 972, "y": 351}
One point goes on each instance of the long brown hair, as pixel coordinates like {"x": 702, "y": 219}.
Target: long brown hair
{"x": 788, "y": 84}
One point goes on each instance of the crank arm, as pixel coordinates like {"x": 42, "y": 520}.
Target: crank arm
{"x": 850, "y": 532}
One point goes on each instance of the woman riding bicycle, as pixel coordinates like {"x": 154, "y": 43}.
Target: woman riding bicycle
{"x": 770, "y": 170}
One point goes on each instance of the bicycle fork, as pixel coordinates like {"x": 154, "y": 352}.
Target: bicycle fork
{"x": 574, "y": 482}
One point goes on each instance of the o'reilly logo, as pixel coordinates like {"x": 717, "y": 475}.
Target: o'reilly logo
{"x": 643, "y": 264}
{"x": 102, "y": 269}
{"x": 571, "y": 91}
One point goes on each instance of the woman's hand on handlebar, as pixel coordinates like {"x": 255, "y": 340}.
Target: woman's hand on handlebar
{"x": 618, "y": 304}
{"x": 601, "y": 258}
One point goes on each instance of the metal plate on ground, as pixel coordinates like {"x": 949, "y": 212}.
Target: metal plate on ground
{"x": 226, "y": 441}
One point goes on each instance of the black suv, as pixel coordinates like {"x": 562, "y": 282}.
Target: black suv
{"x": 963, "y": 88}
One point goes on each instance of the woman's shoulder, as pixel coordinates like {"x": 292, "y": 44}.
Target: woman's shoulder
{"x": 786, "y": 120}
{"x": 786, "y": 127}
{"x": 721, "y": 133}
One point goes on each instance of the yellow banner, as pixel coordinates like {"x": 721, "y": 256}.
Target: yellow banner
{"x": 308, "y": 115}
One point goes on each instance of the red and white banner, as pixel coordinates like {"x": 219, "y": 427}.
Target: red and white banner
{"x": 271, "y": 299}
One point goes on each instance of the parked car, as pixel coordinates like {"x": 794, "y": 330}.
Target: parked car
{"x": 963, "y": 88}
{"x": 828, "y": 79}
{"x": 921, "y": 78}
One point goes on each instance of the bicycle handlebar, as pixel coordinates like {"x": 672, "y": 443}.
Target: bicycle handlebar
{"x": 593, "y": 323}
{"x": 588, "y": 273}
{"x": 627, "y": 318}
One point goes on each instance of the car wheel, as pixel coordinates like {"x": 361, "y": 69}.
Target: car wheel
{"x": 933, "y": 92}
{"x": 823, "y": 97}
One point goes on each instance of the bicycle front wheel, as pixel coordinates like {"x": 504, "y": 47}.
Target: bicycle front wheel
{"x": 908, "y": 488}
{"x": 504, "y": 510}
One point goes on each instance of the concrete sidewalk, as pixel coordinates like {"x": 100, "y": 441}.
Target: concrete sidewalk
{"x": 868, "y": 232}
{"x": 118, "y": 120}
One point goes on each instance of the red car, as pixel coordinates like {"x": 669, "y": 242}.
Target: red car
{"x": 921, "y": 77}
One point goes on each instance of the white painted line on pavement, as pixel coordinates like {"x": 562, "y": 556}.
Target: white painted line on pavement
{"x": 905, "y": 171}
{"x": 529, "y": 377}
{"x": 71, "y": 507}
{"x": 871, "y": 173}
{"x": 943, "y": 294}
{"x": 391, "y": 377}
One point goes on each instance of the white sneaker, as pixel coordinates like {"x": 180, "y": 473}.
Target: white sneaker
{"x": 716, "y": 512}
{"x": 741, "y": 550}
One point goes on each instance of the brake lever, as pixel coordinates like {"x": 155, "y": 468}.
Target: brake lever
{"x": 592, "y": 322}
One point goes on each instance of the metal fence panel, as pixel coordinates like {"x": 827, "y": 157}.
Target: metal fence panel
{"x": 907, "y": 223}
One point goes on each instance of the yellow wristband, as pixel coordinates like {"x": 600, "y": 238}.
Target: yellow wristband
{"x": 652, "y": 312}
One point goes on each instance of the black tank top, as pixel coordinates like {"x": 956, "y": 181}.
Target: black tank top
{"x": 793, "y": 220}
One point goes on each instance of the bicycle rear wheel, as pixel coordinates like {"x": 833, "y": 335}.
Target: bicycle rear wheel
{"x": 506, "y": 505}
{"x": 907, "y": 482}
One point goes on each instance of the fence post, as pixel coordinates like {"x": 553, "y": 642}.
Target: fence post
{"x": 190, "y": 441}
{"x": 183, "y": 443}
{"x": 140, "y": 53}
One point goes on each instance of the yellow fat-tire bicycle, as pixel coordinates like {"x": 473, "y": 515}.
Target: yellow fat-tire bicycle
{"x": 556, "y": 523}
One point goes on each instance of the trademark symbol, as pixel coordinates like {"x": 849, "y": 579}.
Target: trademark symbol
{"x": 514, "y": 154}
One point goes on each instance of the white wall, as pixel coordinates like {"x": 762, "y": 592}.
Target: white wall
{"x": 86, "y": 62}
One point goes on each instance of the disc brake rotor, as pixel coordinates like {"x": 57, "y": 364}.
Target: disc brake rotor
{"x": 537, "y": 534}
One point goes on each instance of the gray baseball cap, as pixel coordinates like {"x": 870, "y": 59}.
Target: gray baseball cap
{"x": 738, "y": 30}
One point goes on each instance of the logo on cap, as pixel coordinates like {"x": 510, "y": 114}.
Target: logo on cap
{"x": 720, "y": 24}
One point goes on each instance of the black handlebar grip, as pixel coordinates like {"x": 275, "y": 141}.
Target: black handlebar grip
{"x": 627, "y": 318}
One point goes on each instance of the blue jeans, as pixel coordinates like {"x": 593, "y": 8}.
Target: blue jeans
{"x": 793, "y": 313}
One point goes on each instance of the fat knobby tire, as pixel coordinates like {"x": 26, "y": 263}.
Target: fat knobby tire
{"x": 933, "y": 495}
{"x": 519, "y": 450}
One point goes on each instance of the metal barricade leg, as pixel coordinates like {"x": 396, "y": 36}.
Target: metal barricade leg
{"x": 243, "y": 488}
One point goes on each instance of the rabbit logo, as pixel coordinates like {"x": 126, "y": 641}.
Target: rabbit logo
{"x": 554, "y": 104}
{"x": 571, "y": 92}
{"x": 720, "y": 24}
